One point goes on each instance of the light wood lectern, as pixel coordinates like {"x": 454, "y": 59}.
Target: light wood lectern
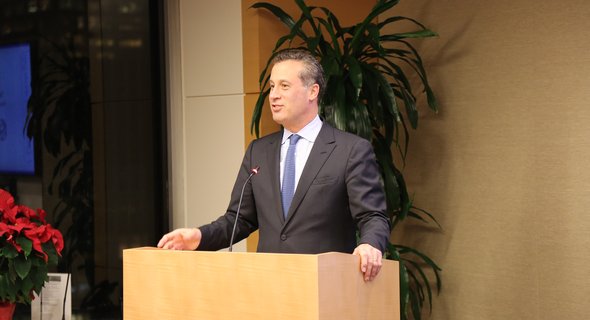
{"x": 166, "y": 284}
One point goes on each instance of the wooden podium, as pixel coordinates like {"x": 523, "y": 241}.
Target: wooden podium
{"x": 166, "y": 284}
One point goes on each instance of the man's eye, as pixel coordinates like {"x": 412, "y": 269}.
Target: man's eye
{"x": 284, "y": 86}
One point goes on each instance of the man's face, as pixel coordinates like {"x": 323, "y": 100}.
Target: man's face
{"x": 293, "y": 105}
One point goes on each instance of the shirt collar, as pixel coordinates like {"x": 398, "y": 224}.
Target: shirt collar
{"x": 309, "y": 132}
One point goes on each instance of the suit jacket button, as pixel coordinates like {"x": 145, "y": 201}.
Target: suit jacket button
{"x": 283, "y": 237}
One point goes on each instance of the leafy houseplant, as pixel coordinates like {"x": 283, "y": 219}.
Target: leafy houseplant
{"x": 60, "y": 112}
{"x": 366, "y": 87}
{"x": 28, "y": 247}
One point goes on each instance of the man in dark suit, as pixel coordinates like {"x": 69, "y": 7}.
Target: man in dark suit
{"x": 317, "y": 185}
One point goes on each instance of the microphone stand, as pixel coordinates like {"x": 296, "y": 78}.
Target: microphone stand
{"x": 253, "y": 171}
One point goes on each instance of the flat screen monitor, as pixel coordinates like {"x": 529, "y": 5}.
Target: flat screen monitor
{"x": 17, "y": 152}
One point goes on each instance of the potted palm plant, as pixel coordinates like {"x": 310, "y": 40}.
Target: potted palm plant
{"x": 368, "y": 92}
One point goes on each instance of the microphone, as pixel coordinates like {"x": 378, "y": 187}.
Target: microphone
{"x": 253, "y": 172}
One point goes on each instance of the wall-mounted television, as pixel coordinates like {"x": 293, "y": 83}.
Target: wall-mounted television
{"x": 17, "y": 151}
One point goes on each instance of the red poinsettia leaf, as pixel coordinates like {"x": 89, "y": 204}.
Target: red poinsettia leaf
{"x": 44, "y": 233}
{"x": 20, "y": 224}
{"x": 6, "y": 200}
{"x": 57, "y": 238}
{"x": 41, "y": 214}
{"x": 9, "y": 214}
{"x": 4, "y": 229}
{"x": 33, "y": 237}
{"x": 26, "y": 212}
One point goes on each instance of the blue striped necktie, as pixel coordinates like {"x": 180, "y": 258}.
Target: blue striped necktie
{"x": 289, "y": 175}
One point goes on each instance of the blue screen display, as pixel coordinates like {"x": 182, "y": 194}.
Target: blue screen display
{"x": 17, "y": 152}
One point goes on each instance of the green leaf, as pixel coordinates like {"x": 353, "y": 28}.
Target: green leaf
{"x": 416, "y": 286}
{"x": 331, "y": 66}
{"x": 278, "y": 45}
{"x": 4, "y": 283}
{"x": 432, "y": 102}
{"x": 9, "y": 252}
{"x": 411, "y": 111}
{"x": 49, "y": 249}
{"x": 360, "y": 28}
{"x": 22, "y": 267}
{"x": 356, "y": 75}
{"x": 360, "y": 123}
{"x": 334, "y": 45}
{"x": 422, "y": 282}
{"x": 26, "y": 285}
{"x": 416, "y": 305}
{"x": 405, "y": 250}
{"x": 422, "y": 73}
{"x": 432, "y": 218}
{"x": 333, "y": 20}
{"x": 306, "y": 12}
{"x": 386, "y": 94}
{"x": 399, "y": 18}
{"x": 7, "y": 287}
{"x": 405, "y": 202}
{"x": 340, "y": 109}
{"x": 278, "y": 12}
{"x": 316, "y": 43}
{"x": 414, "y": 34}
{"x": 405, "y": 292}
{"x": 26, "y": 244}
{"x": 403, "y": 152}
{"x": 39, "y": 278}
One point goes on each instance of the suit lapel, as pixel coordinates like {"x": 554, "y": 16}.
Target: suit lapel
{"x": 322, "y": 148}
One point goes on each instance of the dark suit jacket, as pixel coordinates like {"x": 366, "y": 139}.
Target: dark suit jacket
{"x": 339, "y": 191}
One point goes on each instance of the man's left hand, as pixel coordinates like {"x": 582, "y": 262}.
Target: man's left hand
{"x": 371, "y": 260}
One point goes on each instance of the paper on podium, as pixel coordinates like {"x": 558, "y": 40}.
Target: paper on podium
{"x": 55, "y": 299}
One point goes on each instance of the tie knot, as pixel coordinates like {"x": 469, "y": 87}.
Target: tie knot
{"x": 294, "y": 138}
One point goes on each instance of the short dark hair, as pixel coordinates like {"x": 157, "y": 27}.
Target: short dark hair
{"x": 312, "y": 71}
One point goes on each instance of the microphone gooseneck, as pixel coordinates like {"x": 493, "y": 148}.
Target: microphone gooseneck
{"x": 253, "y": 172}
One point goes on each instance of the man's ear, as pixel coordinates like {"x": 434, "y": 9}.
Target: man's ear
{"x": 314, "y": 91}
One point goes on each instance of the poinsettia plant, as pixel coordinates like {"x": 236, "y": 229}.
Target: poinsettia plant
{"x": 29, "y": 246}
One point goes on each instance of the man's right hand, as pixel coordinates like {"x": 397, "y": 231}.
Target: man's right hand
{"x": 181, "y": 239}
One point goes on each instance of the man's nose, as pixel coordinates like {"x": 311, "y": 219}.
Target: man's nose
{"x": 273, "y": 93}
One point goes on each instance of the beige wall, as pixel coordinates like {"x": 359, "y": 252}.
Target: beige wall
{"x": 504, "y": 164}
{"x": 205, "y": 107}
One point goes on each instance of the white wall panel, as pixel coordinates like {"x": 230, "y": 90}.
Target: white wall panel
{"x": 215, "y": 148}
{"x": 206, "y": 108}
{"x": 212, "y": 47}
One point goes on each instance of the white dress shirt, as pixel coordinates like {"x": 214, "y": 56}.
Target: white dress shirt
{"x": 308, "y": 135}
